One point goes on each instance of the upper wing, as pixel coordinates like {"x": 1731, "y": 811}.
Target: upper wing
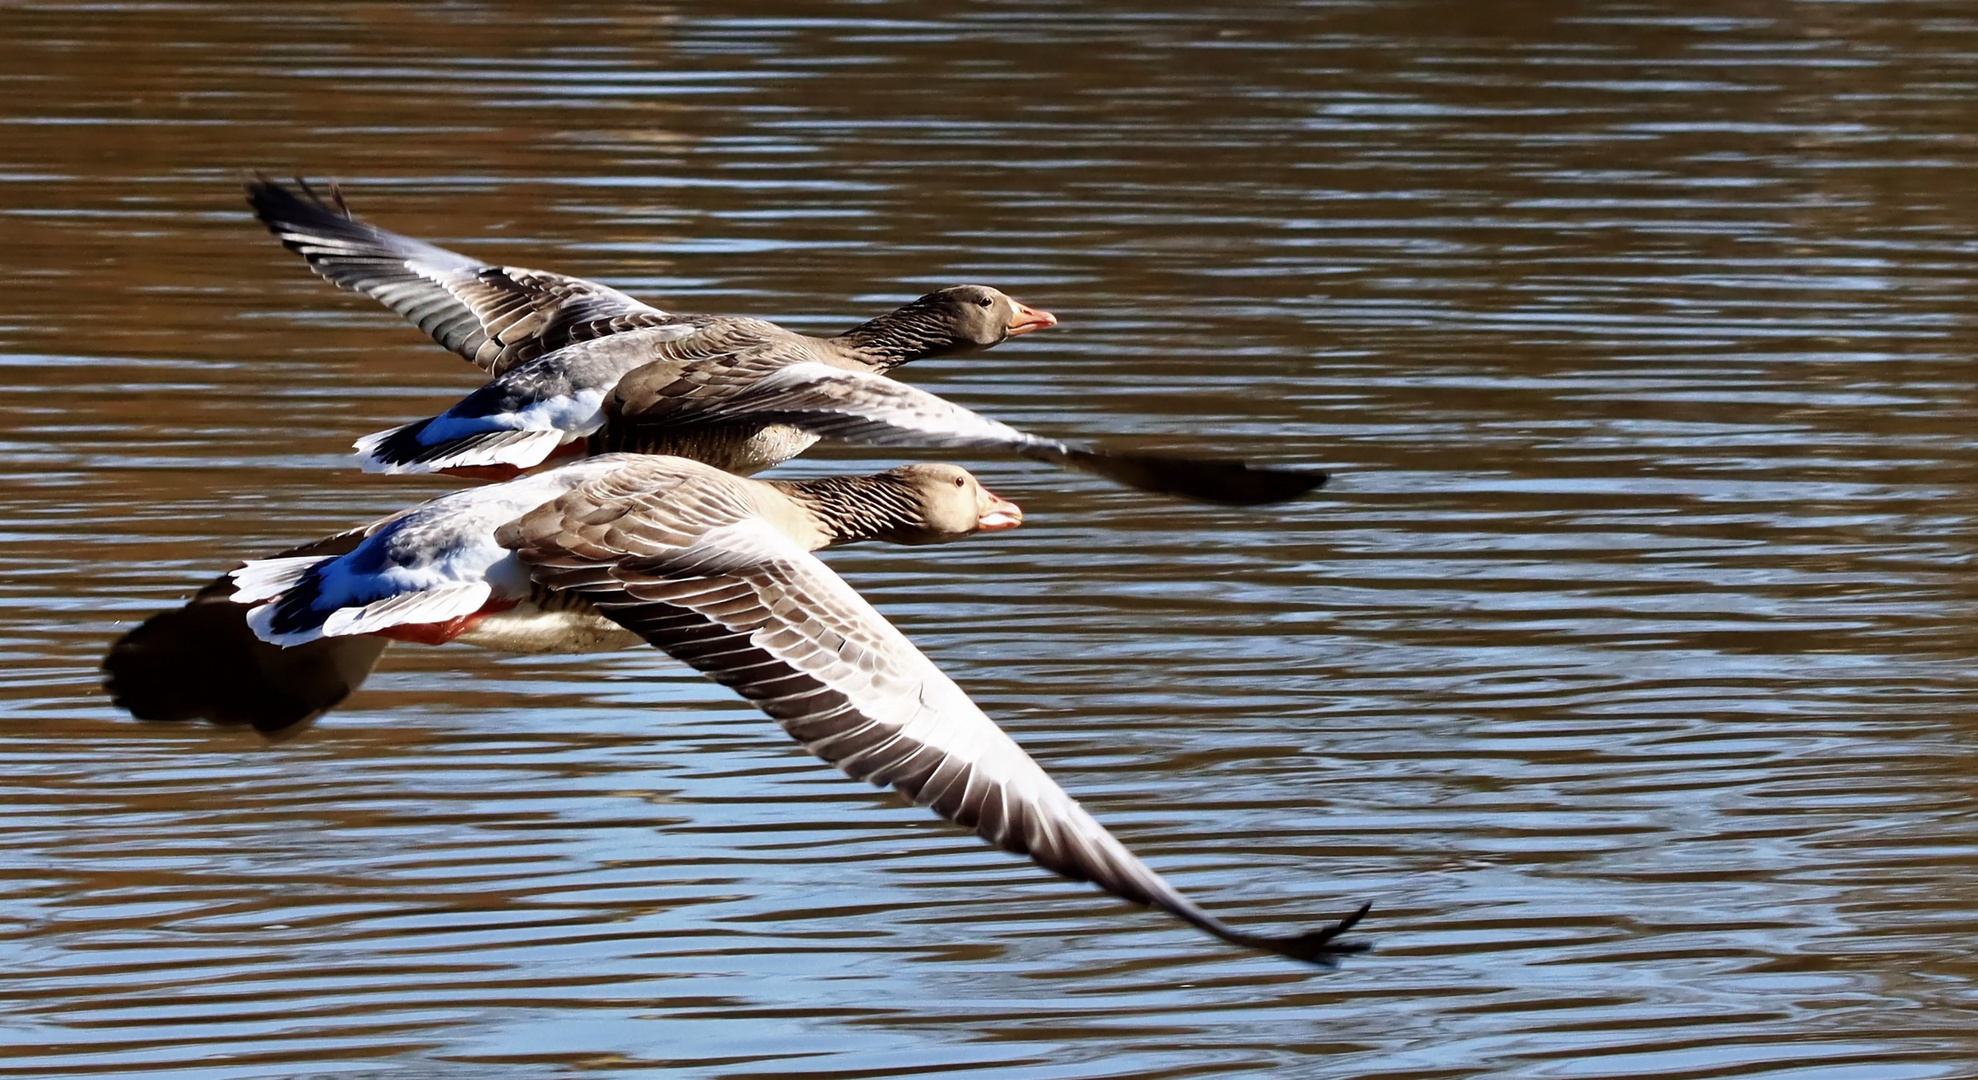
{"x": 495, "y": 316}
{"x": 699, "y": 575}
{"x": 869, "y": 408}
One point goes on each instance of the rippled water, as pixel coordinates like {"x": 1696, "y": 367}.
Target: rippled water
{"x": 1625, "y": 667}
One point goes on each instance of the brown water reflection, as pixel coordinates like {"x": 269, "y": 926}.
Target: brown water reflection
{"x": 1626, "y": 667}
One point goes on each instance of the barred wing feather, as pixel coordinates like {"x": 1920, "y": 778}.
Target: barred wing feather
{"x": 495, "y": 316}
{"x": 748, "y": 607}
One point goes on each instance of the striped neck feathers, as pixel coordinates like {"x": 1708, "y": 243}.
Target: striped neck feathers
{"x": 851, "y": 509}
{"x": 914, "y": 332}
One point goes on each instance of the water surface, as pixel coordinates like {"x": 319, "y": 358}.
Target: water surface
{"x": 1625, "y": 666}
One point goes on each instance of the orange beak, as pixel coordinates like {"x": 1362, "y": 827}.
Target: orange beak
{"x": 995, "y": 512}
{"x": 1027, "y": 318}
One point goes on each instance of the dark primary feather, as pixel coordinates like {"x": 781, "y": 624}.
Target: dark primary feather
{"x": 201, "y": 662}
{"x": 1229, "y": 482}
{"x": 496, "y": 316}
{"x": 402, "y": 445}
{"x": 698, "y": 575}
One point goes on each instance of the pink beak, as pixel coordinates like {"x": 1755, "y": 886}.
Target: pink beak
{"x": 995, "y": 512}
{"x": 1028, "y": 318}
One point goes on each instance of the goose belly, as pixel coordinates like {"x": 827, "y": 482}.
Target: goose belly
{"x": 738, "y": 448}
{"x": 529, "y": 628}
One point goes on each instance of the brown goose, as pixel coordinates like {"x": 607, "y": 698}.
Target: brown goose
{"x": 717, "y": 570}
{"x": 579, "y": 368}
{"x": 202, "y": 661}
{"x": 542, "y": 337}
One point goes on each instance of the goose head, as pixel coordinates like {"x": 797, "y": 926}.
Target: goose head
{"x": 957, "y": 319}
{"x": 952, "y": 503}
{"x": 978, "y": 317}
{"x": 913, "y": 504}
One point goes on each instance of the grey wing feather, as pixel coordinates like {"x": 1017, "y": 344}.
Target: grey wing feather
{"x": 696, "y": 574}
{"x": 834, "y": 402}
{"x": 874, "y": 410}
{"x": 495, "y": 316}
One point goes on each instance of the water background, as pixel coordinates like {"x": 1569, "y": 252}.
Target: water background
{"x": 1626, "y": 666}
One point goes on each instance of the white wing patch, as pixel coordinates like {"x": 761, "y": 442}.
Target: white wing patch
{"x": 265, "y": 579}
{"x": 426, "y": 606}
{"x": 434, "y": 605}
{"x": 521, "y": 449}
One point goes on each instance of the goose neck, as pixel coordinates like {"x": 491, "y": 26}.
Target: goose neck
{"x": 899, "y": 337}
{"x": 850, "y": 509}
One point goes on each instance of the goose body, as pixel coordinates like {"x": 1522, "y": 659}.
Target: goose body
{"x": 435, "y": 573}
{"x": 578, "y": 368}
{"x": 557, "y": 401}
{"x": 717, "y": 571}
{"x": 557, "y": 346}
{"x": 430, "y": 575}
{"x": 550, "y": 406}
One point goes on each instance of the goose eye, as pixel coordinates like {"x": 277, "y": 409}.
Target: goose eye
{"x": 983, "y": 302}
{"x": 960, "y": 482}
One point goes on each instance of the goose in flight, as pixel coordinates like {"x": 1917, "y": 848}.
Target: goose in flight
{"x": 579, "y": 368}
{"x": 717, "y": 571}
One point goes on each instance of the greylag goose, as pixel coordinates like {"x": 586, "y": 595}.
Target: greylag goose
{"x": 580, "y": 368}
{"x": 717, "y": 571}
{"x": 203, "y": 661}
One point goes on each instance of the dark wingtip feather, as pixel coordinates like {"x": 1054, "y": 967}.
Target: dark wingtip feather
{"x": 1230, "y": 483}
{"x": 274, "y": 204}
{"x": 1322, "y": 946}
{"x": 304, "y": 220}
{"x": 401, "y": 445}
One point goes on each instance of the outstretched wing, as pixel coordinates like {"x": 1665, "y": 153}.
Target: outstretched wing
{"x": 869, "y": 408}
{"x": 699, "y": 575}
{"x": 495, "y": 316}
